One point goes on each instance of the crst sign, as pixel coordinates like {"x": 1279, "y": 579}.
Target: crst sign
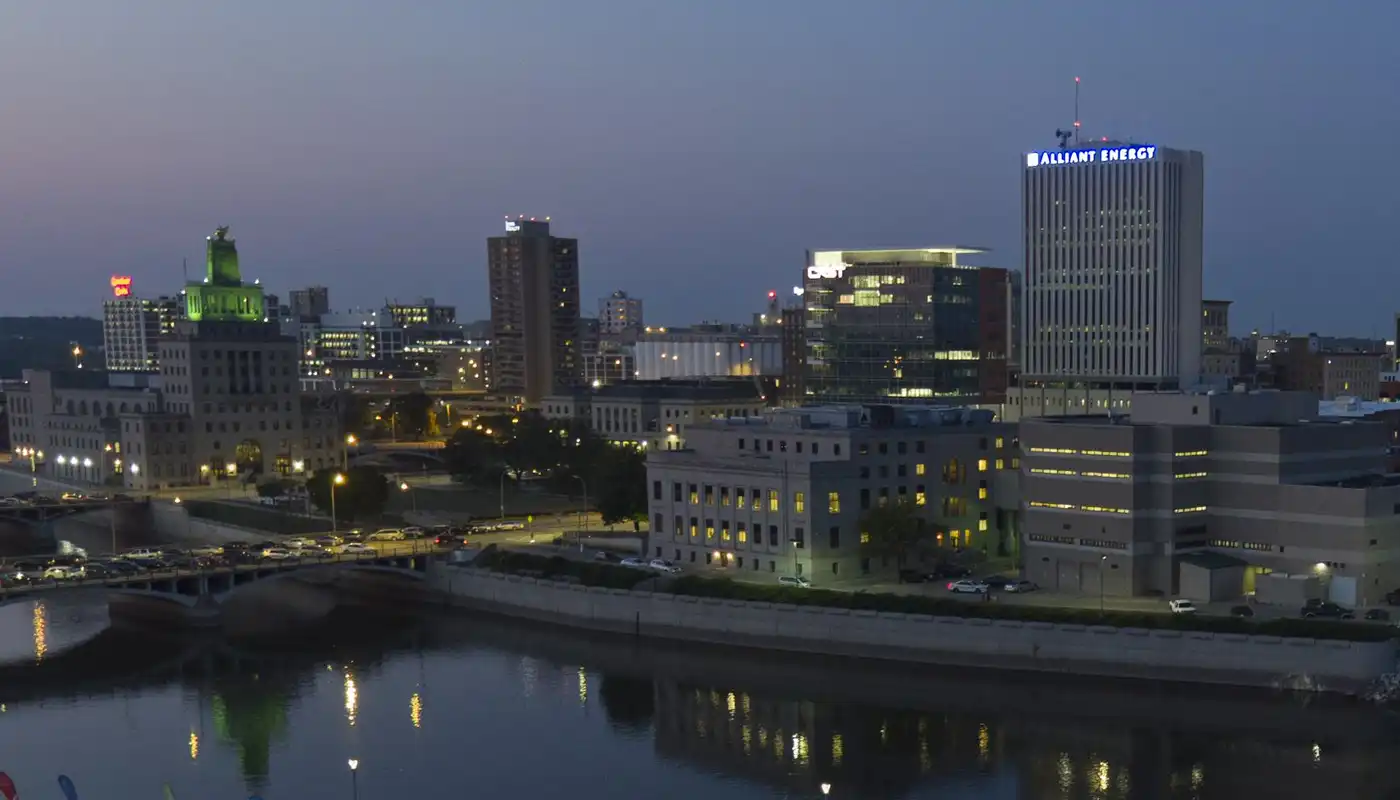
{"x": 1097, "y": 155}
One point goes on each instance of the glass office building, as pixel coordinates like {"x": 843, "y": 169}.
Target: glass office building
{"x": 905, "y": 326}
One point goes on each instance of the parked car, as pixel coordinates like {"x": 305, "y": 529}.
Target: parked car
{"x": 633, "y": 562}
{"x": 206, "y": 551}
{"x": 1242, "y": 612}
{"x": 1392, "y": 597}
{"x": 413, "y": 532}
{"x": 98, "y": 571}
{"x": 916, "y": 576}
{"x": 1322, "y": 609}
{"x": 72, "y": 497}
{"x": 352, "y": 549}
{"x": 510, "y": 526}
{"x": 387, "y": 535}
{"x": 1377, "y": 615}
{"x": 795, "y": 581}
{"x": 942, "y": 571}
{"x": 328, "y": 540}
{"x": 603, "y": 555}
{"x": 1020, "y": 587}
{"x": 276, "y": 553}
{"x": 63, "y": 572}
{"x": 968, "y": 586}
{"x": 1181, "y": 606}
{"x": 662, "y": 565}
{"x": 300, "y": 541}
{"x": 142, "y": 554}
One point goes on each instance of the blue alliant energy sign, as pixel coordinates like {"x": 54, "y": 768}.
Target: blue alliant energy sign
{"x": 1097, "y": 155}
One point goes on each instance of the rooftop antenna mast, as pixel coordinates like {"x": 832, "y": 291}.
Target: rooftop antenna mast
{"x": 185, "y": 268}
{"x": 1076, "y": 110}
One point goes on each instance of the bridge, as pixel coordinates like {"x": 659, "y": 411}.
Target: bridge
{"x": 43, "y": 512}
{"x": 202, "y": 590}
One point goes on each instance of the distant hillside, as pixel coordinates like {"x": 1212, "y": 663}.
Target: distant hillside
{"x": 46, "y": 342}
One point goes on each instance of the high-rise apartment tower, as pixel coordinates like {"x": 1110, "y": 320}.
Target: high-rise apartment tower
{"x": 534, "y": 310}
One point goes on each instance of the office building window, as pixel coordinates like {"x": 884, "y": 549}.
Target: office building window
{"x": 834, "y": 537}
{"x": 773, "y": 500}
{"x": 709, "y": 495}
{"x": 833, "y": 502}
{"x": 799, "y": 502}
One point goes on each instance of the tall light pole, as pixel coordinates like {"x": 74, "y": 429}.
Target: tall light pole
{"x": 503, "y": 495}
{"x": 1103, "y": 565}
{"x": 404, "y": 487}
{"x": 350, "y": 441}
{"x": 354, "y": 778}
{"x": 583, "y": 483}
{"x": 336, "y": 480}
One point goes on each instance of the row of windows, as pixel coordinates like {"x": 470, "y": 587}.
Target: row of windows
{"x": 1100, "y": 544}
{"x": 1234, "y": 544}
{"x": 1088, "y": 509}
{"x": 742, "y": 499}
{"x": 1181, "y": 476}
{"x": 1190, "y": 510}
{"x": 1060, "y": 451}
{"x": 1192, "y": 453}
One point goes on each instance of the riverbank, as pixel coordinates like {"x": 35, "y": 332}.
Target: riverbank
{"x": 1226, "y": 659}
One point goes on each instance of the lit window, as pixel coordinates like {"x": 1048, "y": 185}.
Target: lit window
{"x": 772, "y": 499}
{"x": 918, "y": 469}
{"x": 740, "y": 499}
{"x": 743, "y": 536}
{"x": 1000, "y": 443}
{"x": 920, "y": 498}
{"x": 981, "y": 493}
{"x": 1001, "y": 464}
{"x": 981, "y": 524}
{"x": 864, "y": 537}
{"x": 833, "y": 503}
{"x": 709, "y": 531}
{"x": 799, "y": 502}
{"x": 981, "y": 465}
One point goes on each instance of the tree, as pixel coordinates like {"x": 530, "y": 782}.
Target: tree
{"x": 408, "y": 415}
{"x": 277, "y": 488}
{"x": 471, "y": 456}
{"x": 892, "y": 530}
{"x": 356, "y": 416}
{"x": 363, "y": 494}
{"x": 621, "y": 486}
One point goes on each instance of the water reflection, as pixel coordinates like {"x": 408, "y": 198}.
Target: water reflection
{"x": 287, "y": 715}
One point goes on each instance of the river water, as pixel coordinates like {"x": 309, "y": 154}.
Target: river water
{"x": 433, "y": 705}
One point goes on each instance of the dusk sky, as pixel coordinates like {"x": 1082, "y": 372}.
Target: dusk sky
{"x": 695, "y": 147}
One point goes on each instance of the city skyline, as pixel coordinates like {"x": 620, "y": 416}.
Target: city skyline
{"x": 351, "y": 150}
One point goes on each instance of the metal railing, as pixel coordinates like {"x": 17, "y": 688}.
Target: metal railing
{"x": 394, "y": 549}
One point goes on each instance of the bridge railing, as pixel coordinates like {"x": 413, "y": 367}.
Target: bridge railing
{"x": 396, "y": 549}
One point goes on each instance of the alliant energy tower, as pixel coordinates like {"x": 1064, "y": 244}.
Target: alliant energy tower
{"x": 1112, "y": 291}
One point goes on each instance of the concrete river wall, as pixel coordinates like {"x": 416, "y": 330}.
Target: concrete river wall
{"x": 1167, "y": 655}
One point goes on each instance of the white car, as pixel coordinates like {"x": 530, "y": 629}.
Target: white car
{"x": 206, "y": 551}
{"x": 968, "y": 586}
{"x": 1182, "y": 606}
{"x": 143, "y": 554}
{"x": 633, "y": 562}
{"x": 276, "y": 554}
{"x": 63, "y": 572}
{"x": 662, "y": 565}
{"x": 412, "y": 532}
{"x": 387, "y": 535}
{"x": 353, "y": 549}
{"x": 796, "y": 581}
{"x": 301, "y": 541}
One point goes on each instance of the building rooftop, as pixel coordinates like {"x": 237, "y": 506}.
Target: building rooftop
{"x": 817, "y": 417}
{"x": 1353, "y": 408}
{"x": 669, "y": 390}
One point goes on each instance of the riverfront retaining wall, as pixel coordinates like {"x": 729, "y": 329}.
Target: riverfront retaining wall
{"x": 1181, "y": 656}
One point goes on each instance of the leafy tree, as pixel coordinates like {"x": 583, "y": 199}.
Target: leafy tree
{"x": 471, "y": 456}
{"x": 356, "y": 415}
{"x": 364, "y": 493}
{"x": 621, "y": 486}
{"x": 276, "y": 488}
{"x": 892, "y": 530}
{"x": 408, "y": 415}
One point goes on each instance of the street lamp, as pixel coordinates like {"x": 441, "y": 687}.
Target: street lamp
{"x": 337, "y": 480}
{"x": 354, "y": 778}
{"x": 826, "y": 789}
{"x": 350, "y": 441}
{"x": 1103, "y": 565}
{"x": 583, "y": 483}
{"x": 404, "y": 487}
{"x": 794, "y": 542}
{"x": 503, "y": 495}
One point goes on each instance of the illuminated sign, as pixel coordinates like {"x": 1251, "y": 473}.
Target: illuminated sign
{"x": 512, "y": 227}
{"x": 1098, "y": 155}
{"x": 121, "y": 285}
{"x": 826, "y": 271}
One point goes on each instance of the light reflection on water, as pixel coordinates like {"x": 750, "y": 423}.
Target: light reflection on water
{"x": 532, "y": 715}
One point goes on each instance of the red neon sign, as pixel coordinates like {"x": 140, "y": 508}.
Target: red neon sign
{"x": 121, "y": 285}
